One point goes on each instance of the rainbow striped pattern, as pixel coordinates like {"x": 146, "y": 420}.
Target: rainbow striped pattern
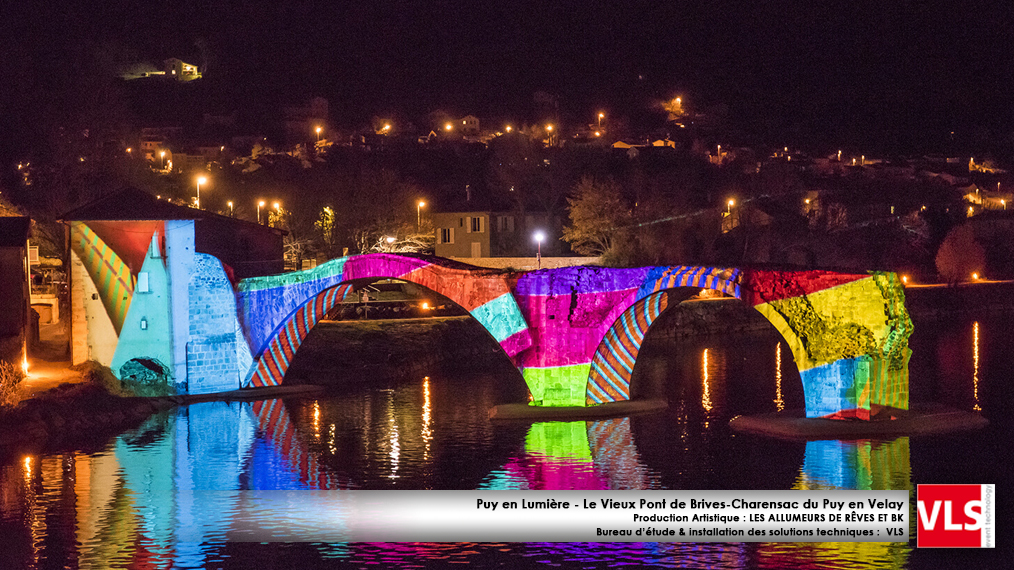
{"x": 659, "y": 278}
{"x": 269, "y": 369}
{"x": 614, "y": 359}
{"x": 110, "y": 274}
{"x": 277, "y": 428}
{"x": 278, "y": 311}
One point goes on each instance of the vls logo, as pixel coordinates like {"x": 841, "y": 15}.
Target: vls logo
{"x": 956, "y": 516}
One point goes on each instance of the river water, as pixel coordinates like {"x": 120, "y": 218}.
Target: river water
{"x": 123, "y": 503}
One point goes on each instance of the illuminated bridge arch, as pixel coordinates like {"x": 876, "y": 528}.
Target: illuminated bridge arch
{"x": 278, "y": 311}
{"x": 847, "y": 332}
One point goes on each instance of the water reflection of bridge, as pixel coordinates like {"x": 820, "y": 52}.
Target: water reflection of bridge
{"x": 141, "y": 500}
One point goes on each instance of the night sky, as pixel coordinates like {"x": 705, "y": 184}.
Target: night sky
{"x": 888, "y": 75}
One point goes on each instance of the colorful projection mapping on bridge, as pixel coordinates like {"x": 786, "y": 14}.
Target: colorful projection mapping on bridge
{"x": 574, "y": 333}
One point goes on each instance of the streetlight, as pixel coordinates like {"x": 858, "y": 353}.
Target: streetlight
{"x": 162, "y": 154}
{"x": 601, "y": 116}
{"x": 200, "y": 180}
{"x": 448, "y": 127}
{"x": 231, "y": 213}
{"x": 508, "y": 128}
{"x": 259, "y": 206}
{"x": 418, "y": 215}
{"x": 1003, "y": 203}
{"x": 319, "y": 129}
{"x": 731, "y": 203}
{"x": 539, "y": 236}
{"x": 390, "y": 242}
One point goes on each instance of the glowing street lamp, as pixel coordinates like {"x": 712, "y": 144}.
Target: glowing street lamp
{"x": 200, "y": 180}
{"x": 418, "y": 215}
{"x": 319, "y": 129}
{"x": 448, "y": 127}
{"x": 509, "y": 128}
{"x": 162, "y": 155}
{"x": 259, "y": 206}
{"x": 601, "y": 116}
{"x": 230, "y": 209}
{"x": 731, "y": 203}
{"x": 539, "y": 236}
{"x": 1003, "y": 203}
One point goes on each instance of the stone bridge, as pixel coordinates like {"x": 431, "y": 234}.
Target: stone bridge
{"x": 574, "y": 333}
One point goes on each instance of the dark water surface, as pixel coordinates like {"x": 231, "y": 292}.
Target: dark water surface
{"x": 124, "y": 506}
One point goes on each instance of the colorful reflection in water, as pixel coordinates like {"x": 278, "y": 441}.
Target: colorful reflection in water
{"x": 132, "y": 503}
{"x": 594, "y": 455}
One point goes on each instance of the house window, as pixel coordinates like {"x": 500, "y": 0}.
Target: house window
{"x": 506, "y": 223}
{"x": 446, "y": 235}
{"x": 477, "y": 224}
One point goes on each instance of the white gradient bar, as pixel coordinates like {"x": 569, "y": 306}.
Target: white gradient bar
{"x": 541, "y": 516}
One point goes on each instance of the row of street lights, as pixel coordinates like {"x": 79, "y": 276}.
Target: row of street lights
{"x": 260, "y": 203}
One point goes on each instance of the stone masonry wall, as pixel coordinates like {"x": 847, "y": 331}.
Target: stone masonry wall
{"x": 211, "y": 349}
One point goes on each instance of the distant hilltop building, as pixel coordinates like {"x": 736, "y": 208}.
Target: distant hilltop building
{"x": 172, "y": 68}
{"x": 180, "y": 70}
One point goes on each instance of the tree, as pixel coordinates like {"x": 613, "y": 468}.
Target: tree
{"x": 960, "y": 255}
{"x": 597, "y": 211}
{"x": 327, "y": 233}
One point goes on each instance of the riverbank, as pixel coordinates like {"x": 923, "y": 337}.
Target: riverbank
{"x": 80, "y": 415}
